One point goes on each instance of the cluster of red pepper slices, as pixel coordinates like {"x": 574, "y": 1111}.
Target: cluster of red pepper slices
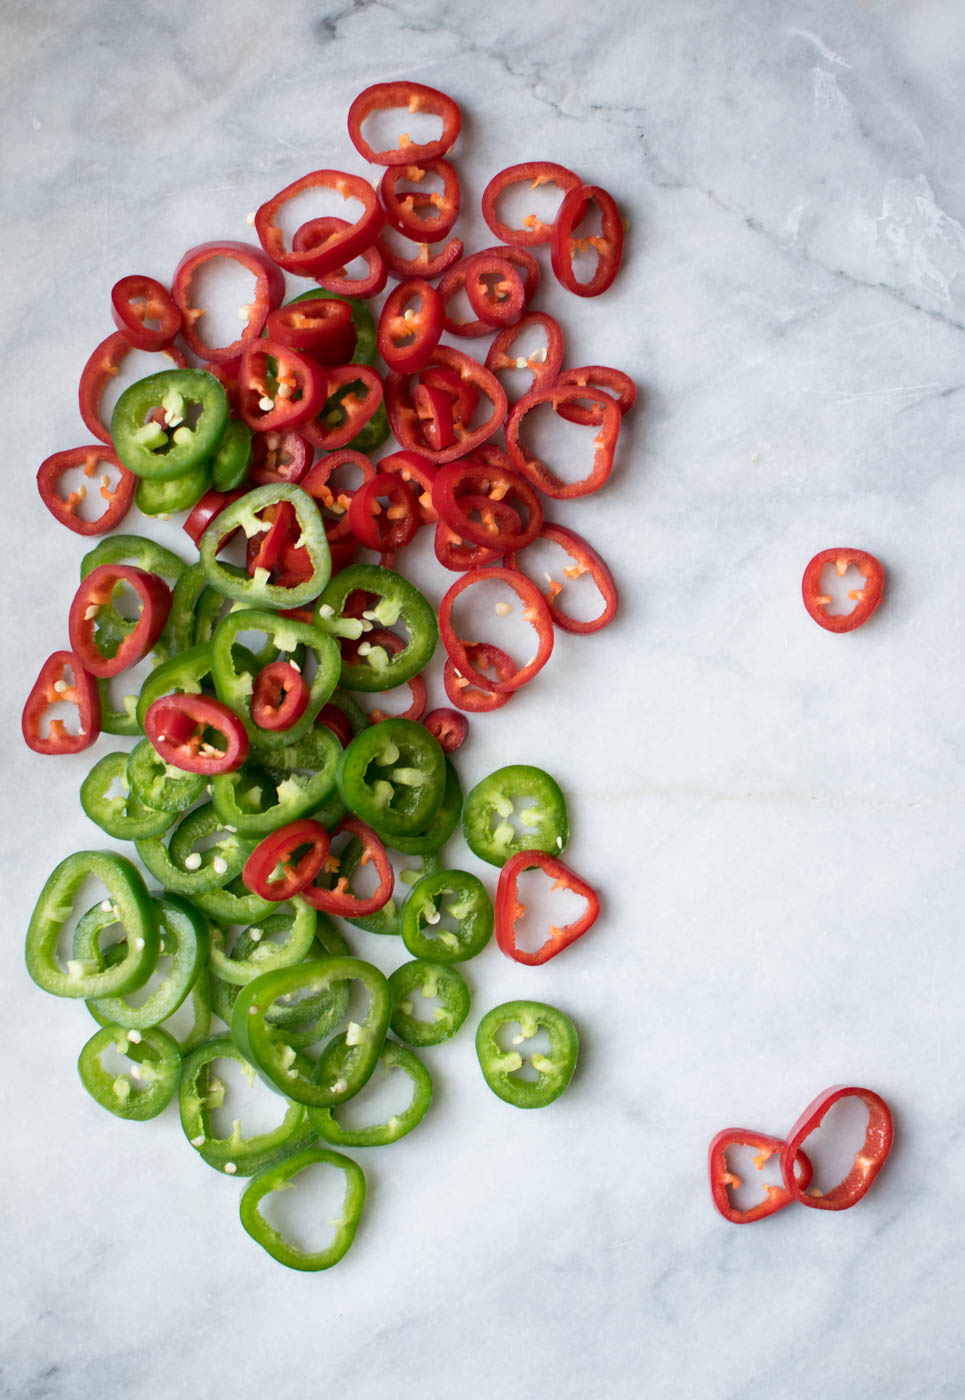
{"x": 796, "y": 1169}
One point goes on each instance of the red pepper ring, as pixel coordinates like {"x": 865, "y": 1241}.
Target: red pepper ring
{"x": 393, "y": 644}
{"x": 319, "y": 325}
{"x": 341, "y": 416}
{"x": 450, "y": 548}
{"x": 387, "y": 529}
{"x": 586, "y": 561}
{"x": 502, "y": 304}
{"x": 413, "y": 97}
{"x": 608, "y": 243}
{"x": 534, "y": 173}
{"x": 543, "y": 364}
{"x": 471, "y": 479}
{"x": 612, "y": 381}
{"x": 280, "y": 456}
{"x": 866, "y": 598}
{"x": 336, "y": 251}
{"x": 407, "y": 336}
{"x": 418, "y": 472}
{"x": 334, "y": 504}
{"x": 279, "y": 697}
{"x": 402, "y": 207}
{"x": 260, "y": 871}
{"x": 604, "y": 443}
{"x": 339, "y": 899}
{"x": 425, "y": 263}
{"x": 281, "y": 395}
{"x": 317, "y": 233}
{"x": 448, "y": 727}
{"x": 65, "y": 508}
{"x": 95, "y": 592}
{"x": 177, "y": 725}
{"x": 137, "y": 300}
{"x": 211, "y": 504}
{"x": 101, "y": 369}
{"x": 721, "y": 1177}
{"x": 509, "y": 909}
{"x": 52, "y": 688}
{"x": 535, "y": 612}
{"x": 467, "y": 694}
{"x": 268, "y": 293}
{"x": 404, "y": 418}
{"x": 867, "y": 1163}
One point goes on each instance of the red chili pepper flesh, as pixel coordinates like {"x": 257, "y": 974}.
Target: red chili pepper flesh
{"x": 535, "y": 612}
{"x": 723, "y": 1180}
{"x": 565, "y": 243}
{"x": 510, "y": 909}
{"x": 269, "y": 871}
{"x": 533, "y": 173}
{"x": 868, "y": 1161}
{"x": 135, "y": 301}
{"x": 91, "y": 460}
{"x": 866, "y": 598}
{"x": 279, "y": 696}
{"x": 95, "y": 592}
{"x": 412, "y": 97}
{"x": 268, "y": 292}
{"x": 181, "y": 728}
{"x": 53, "y": 688}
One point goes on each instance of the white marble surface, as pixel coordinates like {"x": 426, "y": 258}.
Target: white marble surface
{"x": 770, "y": 812}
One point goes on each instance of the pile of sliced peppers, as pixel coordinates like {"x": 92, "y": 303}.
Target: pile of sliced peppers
{"x": 263, "y": 799}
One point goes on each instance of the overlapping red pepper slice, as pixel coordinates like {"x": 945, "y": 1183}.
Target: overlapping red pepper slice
{"x": 866, "y": 598}
{"x": 338, "y": 250}
{"x": 585, "y": 561}
{"x": 495, "y": 517}
{"x": 543, "y": 364}
{"x": 279, "y": 457}
{"x": 279, "y": 696}
{"x": 510, "y": 909}
{"x": 565, "y": 243}
{"x": 181, "y": 728}
{"x": 333, "y": 504}
{"x": 339, "y": 899}
{"x": 501, "y": 304}
{"x": 416, "y": 469}
{"x": 66, "y": 508}
{"x": 136, "y": 301}
{"x": 101, "y": 369}
{"x": 353, "y": 653}
{"x": 269, "y": 291}
{"x": 387, "y": 529}
{"x": 469, "y": 478}
{"x": 96, "y": 591}
{"x": 471, "y": 695}
{"x": 448, "y": 727}
{"x": 281, "y": 395}
{"x": 316, "y": 233}
{"x": 404, "y": 418}
{"x": 411, "y": 97}
{"x": 407, "y": 332}
{"x": 275, "y": 853}
{"x": 722, "y": 1178}
{"x": 53, "y": 688}
{"x": 868, "y": 1161}
{"x": 535, "y": 612}
{"x": 404, "y": 209}
{"x": 211, "y": 504}
{"x": 322, "y": 326}
{"x": 533, "y": 173}
{"x": 425, "y": 263}
{"x": 354, "y": 394}
{"x": 604, "y": 444}
{"x": 612, "y": 381}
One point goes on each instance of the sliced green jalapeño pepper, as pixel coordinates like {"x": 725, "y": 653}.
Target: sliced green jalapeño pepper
{"x": 500, "y": 1067}
{"x": 452, "y": 894}
{"x": 279, "y": 1178}
{"x": 295, "y": 919}
{"x": 306, "y": 1020}
{"x": 123, "y": 816}
{"x": 202, "y": 1091}
{"x": 392, "y": 1058}
{"x": 397, "y": 598}
{"x": 244, "y": 514}
{"x": 160, "y": 785}
{"x": 434, "y": 982}
{"x": 179, "y": 675}
{"x": 434, "y": 836}
{"x": 393, "y": 776}
{"x": 231, "y": 463}
{"x": 282, "y": 785}
{"x": 164, "y": 425}
{"x": 148, "y": 1086}
{"x": 178, "y": 493}
{"x": 284, "y": 1067}
{"x": 131, "y": 906}
{"x": 486, "y": 824}
{"x": 184, "y": 940}
{"x": 179, "y": 867}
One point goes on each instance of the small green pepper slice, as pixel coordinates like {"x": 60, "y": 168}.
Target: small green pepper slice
{"x": 499, "y": 1066}
{"x": 231, "y": 463}
{"x": 178, "y": 493}
{"x": 164, "y": 425}
{"x": 397, "y": 598}
{"x": 179, "y": 867}
{"x": 486, "y": 824}
{"x": 279, "y": 1178}
{"x": 150, "y": 1084}
{"x": 442, "y": 826}
{"x": 159, "y": 785}
{"x": 392, "y": 1058}
{"x": 433, "y": 981}
{"x": 453, "y": 894}
{"x": 393, "y": 776}
{"x": 184, "y": 940}
{"x": 123, "y": 816}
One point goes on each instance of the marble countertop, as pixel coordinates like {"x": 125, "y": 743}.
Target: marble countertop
{"x": 770, "y": 812}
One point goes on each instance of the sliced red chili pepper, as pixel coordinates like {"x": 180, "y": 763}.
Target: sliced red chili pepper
{"x": 226, "y": 374}
{"x": 535, "y": 612}
{"x": 95, "y": 592}
{"x": 604, "y": 444}
{"x": 404, "y": 418}
{"x": 565, "y": 244}
{"x": 137, "y": 300}
{"x": 337, "y": 250}
{"x": 211, "y": 504}
{"x": 434, "y": 410}
{"x": 279, "y": 457}
{"x": 338, "y": 722}
{"x": 316, "y": 233}
{"x": 407, "y": 333}
{"x": 867, "y": 1163}
{"x": 53, "y": 688}
{"x": 321, "y": 325}
{"x": 534, "y": 173}
{"x": 177, "y": 726}
{"x": 275, "y": 854}
{"x": 451, "y": 548}
{"x": 543, "y": 364}
{"x": 424, "y": 263}
{"x": 339, "y": 899}
{"x": 279, "y": 696}
{"x": 502, "y": 302}
{"x": 393, "y": 644}
{"x": 412, "y": 97}
{"x": 101, "y": 369}
{"x": 612, "y": 381}
{"x": 66, "y": 508}
{"x": 280, "y": 388}
{"x": 471, "y": 479}
{"x": 464, "y": 394}
{"x": 586, "y": 561}
{"x": 722, "y": 1178}
{"x": 469, "y": 694}
{"x": 266, "y": 548}
{"x": 510, "y": 909}
{"x": 404, "y": 209}
{"x": 354, "y": 394}
{"x": 416, "y": 469}
{"x": 448, "y": 727}
{"x": 454, "y": 282}
{"x": 268, "y": 293}
{"x": 379, "y": 529}
{"x": 334, "y": 503}
{"x": 866, "y": 598}
{"x": 524, "y": 263}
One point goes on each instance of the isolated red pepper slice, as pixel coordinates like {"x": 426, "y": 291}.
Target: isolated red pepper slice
{"x": 333, "y": 502}
{"x": 721, "y": 1177}
{"x": 867, "y": 1163}
{"x": 565, "y": 243}
{"x": 543, "y": 364}
{"x": 384, "y": 529}
{"x": 509, "y": 908}
{"x": 404, "y": 209}
{"x": 277, "y": 850}
{"x": 283, "y": 394}
{"x": 410, "y": 326}
{"x": 585, "y": 561}
{"x": 338, "y": 250}
{"x": 604, "y": 443}
{"x": 448, "y": 727}
{"x": 66, "y": 508}
{"x": 612, "y": 381}
{"x": 53, "y": 688}
{"x": 339, "y": 899}
{"x": 279, "y": 457}
{"x": 534, "y": 173}
{"x": 181, "y": 728}
{"x": 412, "y": 97}
{"x": 320, "y": 325}
{"x": 417, "y": 470}
{"x": 423, "y": 263}
{"x": 469, "y": 694}
{"x": 279, "y": 696}
{"x": 535, "y": 612}
{"x": 101, "y": 369}
{"x": 137, "y": 300}
{"x": 269, "y": 291}
{"x": 316, "y": 233}
{"x": 404, "y": 418}
{"x": 866, "y": 598}
{"x": 471, "y": 478}
{"x": 97, "y": 591}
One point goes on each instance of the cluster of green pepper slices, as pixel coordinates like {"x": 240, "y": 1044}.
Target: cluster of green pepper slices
{"x": 286, "y": 979}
